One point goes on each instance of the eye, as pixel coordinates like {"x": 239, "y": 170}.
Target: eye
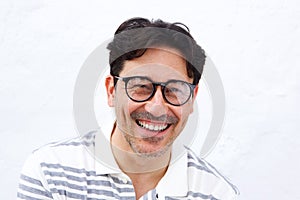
{"x": 139, "y": 86}
{"x": 173, "y": 91}
{"x": 142, "y": 86}
{"x": 137, "y": 82}
{"x": 177, "y": 89}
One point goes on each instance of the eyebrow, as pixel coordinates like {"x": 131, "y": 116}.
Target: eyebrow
{"x": 149, "y": 78}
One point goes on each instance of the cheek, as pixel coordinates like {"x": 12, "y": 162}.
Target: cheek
{"x": 182, "y": 112}
{"x": 190, "y": 108}
{"x": 125, "y": 106}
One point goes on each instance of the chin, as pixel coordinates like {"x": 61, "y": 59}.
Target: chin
{"x": 150, "y": 150}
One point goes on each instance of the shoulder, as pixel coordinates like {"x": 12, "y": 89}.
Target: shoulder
{"x": 84, "y": 140}
{"x": 63, "y": 151}
{"x": 205, "y": 179}
{"x": 75, "y": 142}
{"x": 51, "y": 167}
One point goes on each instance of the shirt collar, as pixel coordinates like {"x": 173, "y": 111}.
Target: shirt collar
{"x": 176, "y": 173}
{"x": 106, "y": 163}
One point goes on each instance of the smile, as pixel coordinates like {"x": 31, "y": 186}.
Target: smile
{"x": 153, "y": 127}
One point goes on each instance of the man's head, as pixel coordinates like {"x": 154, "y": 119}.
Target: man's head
{"x": 155, "y": 70}
{"x": 134, "y": 36}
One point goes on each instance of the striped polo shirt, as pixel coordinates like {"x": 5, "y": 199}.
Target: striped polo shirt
{"x": 70, "y": 170}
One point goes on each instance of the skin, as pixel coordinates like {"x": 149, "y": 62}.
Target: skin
{"x": 141, "y": 153}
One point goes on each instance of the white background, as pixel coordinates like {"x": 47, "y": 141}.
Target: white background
{"x": 254, "y": 45}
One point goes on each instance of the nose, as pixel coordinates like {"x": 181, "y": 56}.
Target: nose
{"x": 157, "y": 105}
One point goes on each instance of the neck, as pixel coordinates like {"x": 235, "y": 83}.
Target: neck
{"x": 144, "y": 171}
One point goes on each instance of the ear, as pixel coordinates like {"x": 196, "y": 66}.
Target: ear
{"x": 110, "y": 90}
{"x": 195, "y": 92}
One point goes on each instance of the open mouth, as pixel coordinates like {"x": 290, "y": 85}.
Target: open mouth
{"x": 153, "y": 127}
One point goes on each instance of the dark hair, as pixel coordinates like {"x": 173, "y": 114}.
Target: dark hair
{"x": 135, "y": 35}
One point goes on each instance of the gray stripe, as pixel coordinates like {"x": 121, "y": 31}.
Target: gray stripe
{"x": 129, "y": 189}
{"x": 35, "y": 191}
{"x": 117, "y": 180}
{"x": 66, "y": 184}
{"x": 89, "y": 135}
{"x": 203, "y": 196}
{"x": 171, "y": 198}
{"x": 192, "y": 195}
{"x": 107, "y": 193}
{"x": 79, "y": 196}
{"x": 203, "y": 164}
{"x": 66, "y": 168}
{"x": 87, "y": 140}
{"x": 22, "y": 196}
{"x": 153, "y": 194}
{"x": 145, "y": 197}
{"x": 190, "y": 157}
{"x": 84, "y": 188}
{"x": 68, "y": 194}
{"x": 30, "y": 180}
{"x": 120, "y": 198}
{"x": 63, "y": 174}
{"x": 235, "y": 189}
{"x": 84, "y": 179}
{"x": 84, "y": 143}
{"x": 192, "y": 164}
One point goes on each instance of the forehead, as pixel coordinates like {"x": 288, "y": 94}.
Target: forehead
{"x": 159, "y": 64}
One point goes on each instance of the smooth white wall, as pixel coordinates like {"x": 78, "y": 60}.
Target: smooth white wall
{"x": 254, "y": 44}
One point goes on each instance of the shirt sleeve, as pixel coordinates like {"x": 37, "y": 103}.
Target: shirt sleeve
{"x": 32, "y": 183}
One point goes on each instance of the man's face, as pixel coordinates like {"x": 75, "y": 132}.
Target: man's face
{"x": 150, "y": 127}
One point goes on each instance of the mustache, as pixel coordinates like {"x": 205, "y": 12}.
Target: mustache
{"x": 146, "y": 115}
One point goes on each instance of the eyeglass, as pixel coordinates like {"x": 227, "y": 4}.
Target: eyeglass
{"x": 141, "y": 89}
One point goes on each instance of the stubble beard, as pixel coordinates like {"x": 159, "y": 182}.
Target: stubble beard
{"x": 144, "y": 151}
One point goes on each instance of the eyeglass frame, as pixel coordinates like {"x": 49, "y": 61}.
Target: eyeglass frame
{"x": 155, "y": 84}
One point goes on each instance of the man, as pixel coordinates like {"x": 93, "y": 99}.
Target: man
{"x": 155, "y": 68}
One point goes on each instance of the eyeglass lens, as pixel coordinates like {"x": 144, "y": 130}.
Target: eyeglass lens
{"x": 141, "y": 89}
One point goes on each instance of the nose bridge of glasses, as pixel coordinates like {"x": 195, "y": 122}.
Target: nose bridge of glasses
{"x": 157, "y": 104}
{"x": 158, "y": 89}
{"x": 161, "y": 86}
{"x": 157, "y": 84}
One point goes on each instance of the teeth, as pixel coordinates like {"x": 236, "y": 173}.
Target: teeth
{"x": 152, "y": 127}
